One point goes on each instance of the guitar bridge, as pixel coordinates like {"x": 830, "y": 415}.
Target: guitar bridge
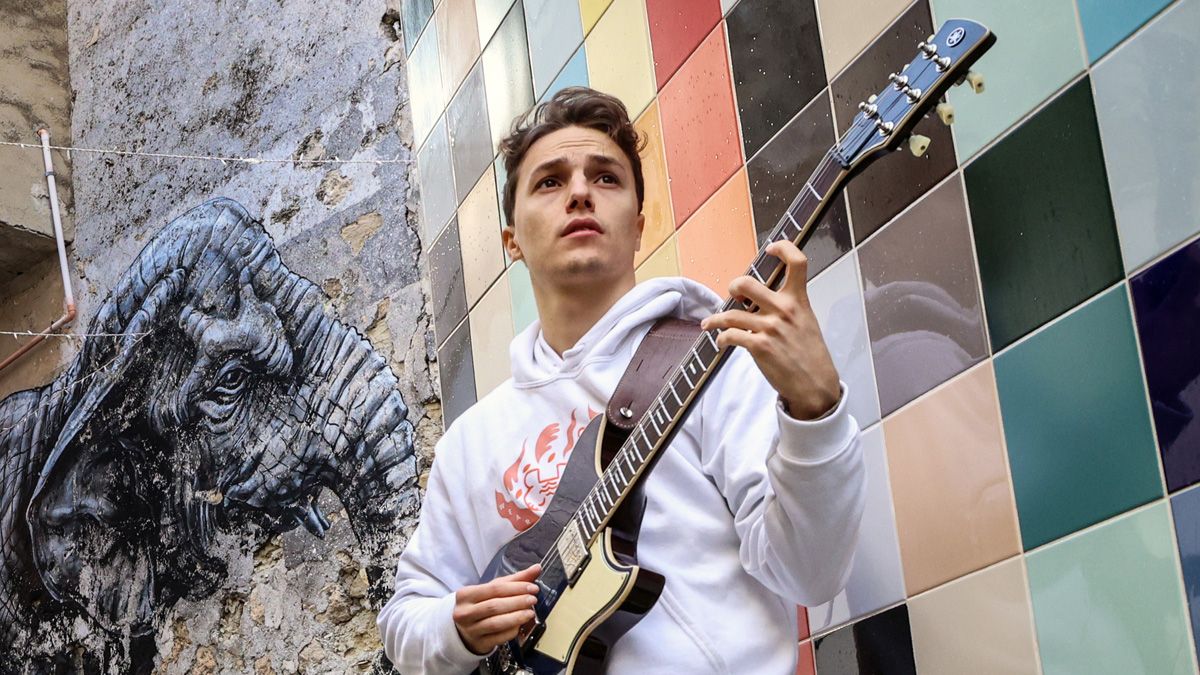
{"x": 572, "y": 550}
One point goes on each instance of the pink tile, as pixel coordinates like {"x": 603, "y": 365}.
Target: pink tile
{"x": 676, "y": 29}
{"x": 804, "y": 659}
{"x": 700, "y": 129}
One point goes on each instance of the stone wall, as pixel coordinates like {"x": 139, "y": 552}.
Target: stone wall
{"x": 301, "y": 81}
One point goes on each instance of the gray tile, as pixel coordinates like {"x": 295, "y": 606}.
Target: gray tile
{"x": 470, "y": 143}
{"x": 425, "y": 84}
{"x": 436, "y": 179}
{"x": 506, "y": 74}
{"x": 446, "y": 282}
{"x": 555, "y": 32}
{"x": 456, "y": 369}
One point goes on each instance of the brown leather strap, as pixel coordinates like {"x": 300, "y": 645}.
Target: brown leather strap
{"x": 661, "y": 350}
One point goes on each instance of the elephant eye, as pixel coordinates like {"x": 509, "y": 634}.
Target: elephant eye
{"x": 231, "y": 383}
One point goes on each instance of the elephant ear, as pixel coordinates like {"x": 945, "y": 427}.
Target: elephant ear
{"x": 90, "y": 518}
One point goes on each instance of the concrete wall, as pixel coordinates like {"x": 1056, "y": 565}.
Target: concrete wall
{"x": 304, "y": 80}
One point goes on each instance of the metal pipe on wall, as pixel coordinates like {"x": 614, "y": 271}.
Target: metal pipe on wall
{"x": 68, "y": 295}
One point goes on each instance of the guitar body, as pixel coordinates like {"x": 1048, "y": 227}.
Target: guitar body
{"x": 580, "y": 621}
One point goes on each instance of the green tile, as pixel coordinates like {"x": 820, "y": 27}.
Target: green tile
{"x": 524, "y": 308}
{"x": 1110, "y": 600}
{"x": 1037, "y": 51}
{"x": 1076, "y": 423}
{"x": 1043, "y": 218}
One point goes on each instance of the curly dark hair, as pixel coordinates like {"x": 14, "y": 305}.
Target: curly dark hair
{"x": 573, "y": 106}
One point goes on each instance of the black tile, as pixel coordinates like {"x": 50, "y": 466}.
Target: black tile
{"x": 1042, "y": 218}
{"x": 457, "y": 374}
{"x": 877, "y": 645}
{"x": 777, "y": 64}
{"x": 893, "y": 182}
{"x": 446, "y": 282}
{"x": 470, "y": 136}
{"x": 778, "y": 172}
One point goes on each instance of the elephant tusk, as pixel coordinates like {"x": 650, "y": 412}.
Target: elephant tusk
{"x": 213, "y": 497}
{"x": 314, "y": 521}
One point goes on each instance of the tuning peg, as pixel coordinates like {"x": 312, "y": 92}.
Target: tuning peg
{"x": 918, "y": 144}
{"x": 975, "y": 80}
{"x": 872, "y": 98}
{"x": 945, "y": 111}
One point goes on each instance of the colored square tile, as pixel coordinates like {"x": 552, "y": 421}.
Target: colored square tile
{"x": 458, "y": 40}
{"x": 877, "y": 645}
{"x": 656, "y": 205}
{"x": 414, "y": 14}
{"x": 889, "y": 185}
{"x": 848, "y": 27}
{"x": 981, "y": 624}
{"x": 1042, "y": 218}
{"x": 950, "y": 486}
{"x": 700, "y": 127}
{"x": 524, "y": 307}
{"x": 1107, "y": 22}
{"x": 456, "y": 374}
{"x": 802, "y": 623}
{"x": 506, "y": 75}
{"x": 1165, "y": 298}
{"x": 470, "y": 143}
{"x": 922, "y": 297}
{"x": 875, "y": 578}
{"x": 425, "y": 84}
{"x": 717, "y": 243}
{"x": 1186, "y": 508}
{"x": 491, "y": 333}
{"x": 1037, "y": 51}
{"x": 590, "y": 12}
{"x": 554, "y": 34}
{"x": 618, "y": 55}
{"x": 804, "y": 659}
{"x": 446, "y": 283}
{"x": 479, "y": 233}
{"x": 676, "y": 28}
{"x": 574, "y": 74}
{"x": 836, "y": 299}
{"x": 663, "y": 262}
{"x": 1152, "y": 167}
{"x": 488, "y": 15}
{"x": 1109, "y": 600}
{"x": 778, "y": 172}
{"x": 774, "y": 73}
{"x": 1075, "y": 421}
{"x": 436, "y": 180}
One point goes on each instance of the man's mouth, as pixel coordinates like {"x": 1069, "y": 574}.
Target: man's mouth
{"x": 582, "y": 227}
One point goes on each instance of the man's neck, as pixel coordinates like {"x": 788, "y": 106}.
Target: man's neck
{"x": 568, "y": 314}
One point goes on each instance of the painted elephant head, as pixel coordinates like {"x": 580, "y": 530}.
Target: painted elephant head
{"x": 226, "y": 400}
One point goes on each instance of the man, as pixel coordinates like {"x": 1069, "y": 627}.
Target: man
{"x": 753, "y": 508}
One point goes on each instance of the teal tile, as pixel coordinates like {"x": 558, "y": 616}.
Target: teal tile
{"x": 1037, "y": 51}
{"x": 524, "y": 308}
{"x": 1110, "y": 600}
{"x": 1153, "y": 168}
{"x": 1043, "y": 218}
{"x": 1107, "y": 22}
{"x": 1073, "y": 403}
{"x": 574, "y": 74}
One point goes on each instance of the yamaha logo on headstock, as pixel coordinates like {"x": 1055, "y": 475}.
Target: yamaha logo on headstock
{"x": 955, "y": 37}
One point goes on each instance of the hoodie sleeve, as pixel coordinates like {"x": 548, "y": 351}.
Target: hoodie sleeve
{"x": 416, "y": 624}
{"x": 796, "y": 489}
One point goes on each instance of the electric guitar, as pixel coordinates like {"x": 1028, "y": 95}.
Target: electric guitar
{"x": 591, "y": 589}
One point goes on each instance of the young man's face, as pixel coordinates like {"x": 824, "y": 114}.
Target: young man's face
{"x": 576, "y": 221}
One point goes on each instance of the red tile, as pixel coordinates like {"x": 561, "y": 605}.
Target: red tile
{"x": 802, "y": 620}
{"x": 700, "y": 126}
{"x": 804, "y": 660}
{"x": 676, "y": 28}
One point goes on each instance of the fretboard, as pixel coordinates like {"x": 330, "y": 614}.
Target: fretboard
{"x": 673, "y": 403}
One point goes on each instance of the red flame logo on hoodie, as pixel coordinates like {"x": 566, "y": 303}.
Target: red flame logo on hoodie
{"x": 531, "y": 480}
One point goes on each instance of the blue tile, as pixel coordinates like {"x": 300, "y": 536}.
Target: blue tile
{"x": 1107, "y": 22}
{"x": 574, "y": 74}
{"x": 1186, "y": 507}
{"x": 555, "y": 32}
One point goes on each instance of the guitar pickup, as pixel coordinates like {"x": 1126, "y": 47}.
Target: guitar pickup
{"x": 572, "y": 550}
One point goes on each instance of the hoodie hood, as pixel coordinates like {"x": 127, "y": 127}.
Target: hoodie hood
{"x": 535, "y": 363}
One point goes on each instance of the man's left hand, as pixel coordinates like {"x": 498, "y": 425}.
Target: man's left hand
{"x": 783, "y": 336}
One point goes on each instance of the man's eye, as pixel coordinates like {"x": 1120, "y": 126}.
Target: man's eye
{"x": 609, "y": 178}
{"x": 547, "y": 182}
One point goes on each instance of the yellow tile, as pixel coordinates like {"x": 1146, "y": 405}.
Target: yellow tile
{"x": 660, "y": 219}
{"x": 618, "y": 55}
{"x": 491, "y": 333}
{"x": 479, "y": 234}
{"x": 590, "y": 11}
{"x": 848, "y": 27}
{"x": 662, "y": 263}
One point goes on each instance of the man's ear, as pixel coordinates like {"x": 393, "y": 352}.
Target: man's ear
{"x": 509, "y": 236}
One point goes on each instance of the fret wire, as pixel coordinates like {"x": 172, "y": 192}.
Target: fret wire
{"x": 688, "y": 379}
{"x": 708, "y": 334}
{"x": 808, "y": 184}
{"x": 671, "y": 386}
{"x": 655, "y": 423}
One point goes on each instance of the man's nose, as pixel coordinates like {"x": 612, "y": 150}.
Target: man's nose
{"x": 580, "y": 193}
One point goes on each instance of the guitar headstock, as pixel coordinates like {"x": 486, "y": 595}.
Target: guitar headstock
{"x": 885, "y": 121}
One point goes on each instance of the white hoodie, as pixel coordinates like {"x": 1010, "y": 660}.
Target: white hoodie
{"x": 749, "y": 511}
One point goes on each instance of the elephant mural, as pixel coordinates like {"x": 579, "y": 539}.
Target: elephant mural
{"x": 225, "y": 399}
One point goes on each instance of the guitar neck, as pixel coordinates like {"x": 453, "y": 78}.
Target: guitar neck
{"x": 633, "y": 462}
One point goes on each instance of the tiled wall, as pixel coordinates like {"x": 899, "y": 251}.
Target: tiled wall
{"x": 1017, "y": 313}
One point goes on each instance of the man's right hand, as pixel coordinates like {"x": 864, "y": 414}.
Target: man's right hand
{"x": 490, "y": 614}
